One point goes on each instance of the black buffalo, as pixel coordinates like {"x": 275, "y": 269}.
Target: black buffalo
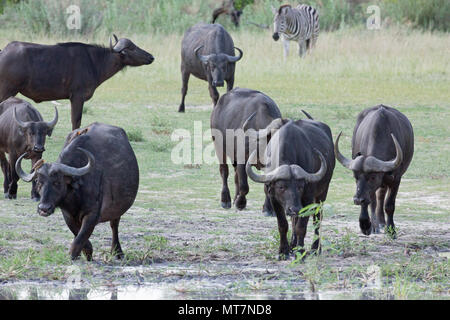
{"x": 207, "y": 52}
{"x": 22, "y": 130}
{"x": 95, "y": 179}
{"x": 236, "y": 109}
{"x": 382, "y": 149}
{"x": 64, "y": 71}
{"x": 299, "y": 166}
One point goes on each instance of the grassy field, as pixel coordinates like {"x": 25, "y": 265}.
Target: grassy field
{"x": 179, "y": 242}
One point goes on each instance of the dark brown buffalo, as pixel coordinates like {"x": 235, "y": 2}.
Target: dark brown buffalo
{"x": 382, "y": 149}
{"x": 207, "y": 52}
{"x": 95, "y": 179}
{"x": 299, "y": 165}
{"x": 237, "y": 110}
{"x": 22, "y": 130}
{"x": 64, "y": 71}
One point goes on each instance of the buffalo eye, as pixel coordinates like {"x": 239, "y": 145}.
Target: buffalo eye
{"x": 56, "y": 184}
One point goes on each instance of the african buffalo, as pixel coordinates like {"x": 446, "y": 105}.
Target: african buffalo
{"x": 95, "y": 179}
{"x": 382, "y": 148}
{"x": 231, "y": 113}
{"x": 207, "y": 51}
{"x": 299, "y": 165}
{"x": 65, "y": 70}
{"x": 22, "y": 130}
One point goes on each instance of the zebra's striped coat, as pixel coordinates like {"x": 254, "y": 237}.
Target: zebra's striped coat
{"x": 300, "y": 24}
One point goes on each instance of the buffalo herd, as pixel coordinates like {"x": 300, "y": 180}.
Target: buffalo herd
{"x": 96, "y": 176}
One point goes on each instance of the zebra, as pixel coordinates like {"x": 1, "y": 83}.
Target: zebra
{"x": 299, "y": 24}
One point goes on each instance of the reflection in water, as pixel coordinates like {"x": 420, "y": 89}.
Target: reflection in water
{"x": 33, "y": 291}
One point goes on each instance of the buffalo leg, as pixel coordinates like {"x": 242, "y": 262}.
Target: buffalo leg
{"x": 184, "y": 88}
{"x": 5, "y": 169}
{"x": 87, "y": 226}
{"x": 34, "y": 194}
{"x": 364, "y": 220}
{"x": 267, "y": 207}
{"x": 213, "y": 93}
{"x": 75, "y": 226}
{"x": 225, "y": 196}
{"x": 299, "y": 228}
{"x": 283, "y": 228}
{"x": 12, "y": 191}
{"x": 241, "y": 200}
{"x": 116, "y": 249}
{"x": 389, "y": 206}
{"x": 373, "y": 217}
{"x": 379, "y": 211}
{"x": 317, "y": 219}
{"x": 76, "y": 111}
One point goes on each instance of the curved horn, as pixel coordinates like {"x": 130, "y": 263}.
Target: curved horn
{"x": 343, "y": 160}
{"x": 203, "y": 59}
{"x": 245, "y": 125}
{"x": 308, "y": 115}
{"x": 19, "y": 122}
{"x": 281, "y": 172}
{"x": 377, "y": 165}
{"x": 77, "y": 172}
{"x": 53, "y": 123}
{"x": 24, "y": 176}
{"x": 111, "y": 46}
{"x": 299, "y": 173}
{"x": 235, "y": 59}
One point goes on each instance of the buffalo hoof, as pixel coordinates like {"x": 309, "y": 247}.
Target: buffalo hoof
{"x": 283, "y": 256}
{"x": 268, "y": 213}
{"x": 36, "y": 199}
{"x": 6, "y": 195}
{"x": 390, "y": 231}
{"x": 181, "y": 109}
{"x": 376, "y": 229}
{"x": 226, "y": 205}
{"x": 241, "y": 202}
{"x": 12, "y": 196}
{"x": 366, "y": 227}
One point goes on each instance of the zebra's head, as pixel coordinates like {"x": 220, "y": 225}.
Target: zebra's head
{"x": 280, "y": 20}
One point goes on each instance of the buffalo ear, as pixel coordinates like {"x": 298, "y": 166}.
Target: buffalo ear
{"x": 49, "y": 132}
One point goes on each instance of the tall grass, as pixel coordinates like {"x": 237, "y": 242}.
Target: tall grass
{"x": 48, "y": 17}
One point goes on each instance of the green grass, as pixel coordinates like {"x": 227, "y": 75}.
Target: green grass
{"x": 177, "y": 218}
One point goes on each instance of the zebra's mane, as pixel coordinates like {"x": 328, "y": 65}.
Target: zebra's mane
{"x": 283, "y": 6}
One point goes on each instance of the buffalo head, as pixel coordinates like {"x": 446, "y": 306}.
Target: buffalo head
{"x": 53, "y": 181}
{"x": 35, "y": 132}
{"x": 236, "y": 17}
{"x": 369, "y": 172}
{"x": 217, "y": 65}
{"x": 286, "y": 183}
{"x": 130, "y": 54}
